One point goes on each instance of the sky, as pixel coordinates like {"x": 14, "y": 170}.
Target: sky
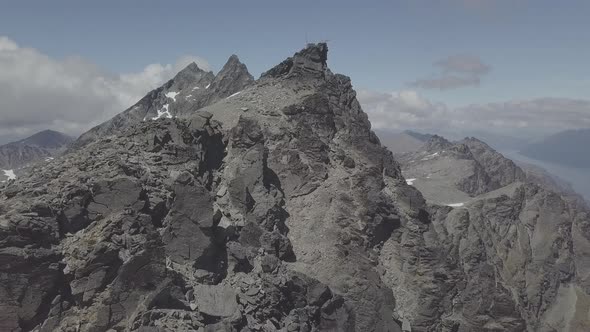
{"x": 514, "y": 67}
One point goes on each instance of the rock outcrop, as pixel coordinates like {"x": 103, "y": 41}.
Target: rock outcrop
{"x": 270, "y": 205}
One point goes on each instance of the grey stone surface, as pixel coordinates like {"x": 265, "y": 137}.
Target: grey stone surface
{"x": 290, "y": 216}
{"x": 216, "y": 300}
{"x": 507, "y": 258}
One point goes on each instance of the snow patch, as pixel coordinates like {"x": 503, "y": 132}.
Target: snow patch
{"x": 430, "y": 156}
{"x": 9, "y": 174}
{"x": 235, "y": 94}
{"x": 172, "y": 95}
{"x": 162, "y": 113}
{"x": 49, "y": 159}
{"x": 410, "y": 181}
{"x": 456, "y": 204}
{"x": 196, "y": 88}
{"x": 208, "y": 85}
{"x": 187, "y": 97}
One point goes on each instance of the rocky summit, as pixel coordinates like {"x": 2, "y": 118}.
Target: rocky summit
{"x": 224, "y": 203}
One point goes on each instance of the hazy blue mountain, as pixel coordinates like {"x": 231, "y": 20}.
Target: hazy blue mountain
{"x": 579, "y": 178}
{"x": 569, "y": 148}
{"x": 419, "y": 136}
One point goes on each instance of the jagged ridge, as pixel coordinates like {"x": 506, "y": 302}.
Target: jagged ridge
{"x": 274, "y": 209}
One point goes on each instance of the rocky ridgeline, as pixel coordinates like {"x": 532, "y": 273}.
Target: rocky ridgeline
{"x": 270, "y": 205}
{"x": 192, "y": 88}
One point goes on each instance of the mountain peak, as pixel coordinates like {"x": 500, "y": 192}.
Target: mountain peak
{"x": 310, "y": 61}
{"x": 314, "y": 52}
{"x": 281, "y": 193}
{"x": 233, "y": 59}
{"x": 46, "y": 143}
{"x": 48, "y": 139}
{"x": 192, "y": 67}
{"x": 474, "y": 140}
{"x": 436, "y": 143}
{"x": 234, "y": 65}
{"x": 233, "y": 77}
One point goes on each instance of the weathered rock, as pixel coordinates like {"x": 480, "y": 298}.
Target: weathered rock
{"x": 288, "y": 217}
{"x": 216, "y": 300}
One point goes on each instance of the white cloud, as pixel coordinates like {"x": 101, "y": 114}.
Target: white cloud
{"x": 409, "y": 110}
{"x": 38, "y": 92}
{"x": 401, "y": 110}
{"x": 542, "y": 114}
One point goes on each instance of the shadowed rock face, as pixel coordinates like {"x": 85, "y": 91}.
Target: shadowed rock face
{"x": 273, "y": 209}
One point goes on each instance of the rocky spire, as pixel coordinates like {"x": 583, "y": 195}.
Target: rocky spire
{"x": 310, "y": 61}
{"x": 233, "y": 77}
{"x": 191, "y": 75}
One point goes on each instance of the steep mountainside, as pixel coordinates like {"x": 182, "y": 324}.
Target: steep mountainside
{"x": 277, "y": 209}
{"x": 42, "y": 145}
{"x": 509, "y": 234}
{"x": 564, "y": 148}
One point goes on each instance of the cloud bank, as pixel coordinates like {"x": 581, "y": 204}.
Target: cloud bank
{"x": 38, "y": 92}
{"x": 455, "y": 72}
{"x": 409, "y": 110}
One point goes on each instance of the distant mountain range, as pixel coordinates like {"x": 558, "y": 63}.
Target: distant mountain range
{"x": 569, "y": 148}
{"x": 42, "y": 145}
{"x": 419, "y": 136}
{"x": 406, "y": 141}
{"x": 409, "y": 142}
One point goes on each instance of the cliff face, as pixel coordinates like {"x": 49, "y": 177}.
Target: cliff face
{"x": 274, "y": 208}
